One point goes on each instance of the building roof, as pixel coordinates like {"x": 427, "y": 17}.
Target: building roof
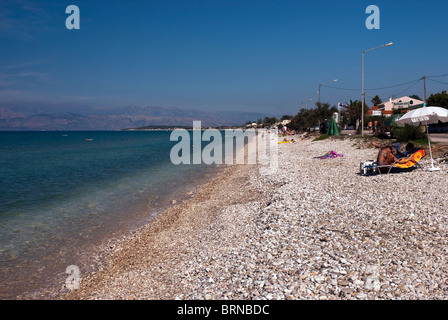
{"x": 399, "y": 103}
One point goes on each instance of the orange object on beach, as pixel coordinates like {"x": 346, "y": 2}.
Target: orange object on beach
{"x": 403, "y": 163}
{"x": 412, "y": 160}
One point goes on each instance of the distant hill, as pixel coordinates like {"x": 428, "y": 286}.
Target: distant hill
{"x": 118, "y": 118}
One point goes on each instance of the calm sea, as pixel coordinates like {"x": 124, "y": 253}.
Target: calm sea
{"x": 61, "y": 191}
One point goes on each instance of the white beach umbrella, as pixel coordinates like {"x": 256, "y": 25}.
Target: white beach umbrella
{"x": 425, "y": 116}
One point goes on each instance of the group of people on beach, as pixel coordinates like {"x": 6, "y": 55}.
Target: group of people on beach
{"x": 372, "y": 126}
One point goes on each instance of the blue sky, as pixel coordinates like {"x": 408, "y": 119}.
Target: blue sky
{"x": 252, "y": 55}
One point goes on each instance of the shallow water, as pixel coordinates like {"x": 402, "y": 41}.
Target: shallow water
{"x": 60, "y": 191}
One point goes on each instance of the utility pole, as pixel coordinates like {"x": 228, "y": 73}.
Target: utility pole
{"x": 321, "y": 84}
{"x": 363, "y": 93}
{"x": 424, "y": 85}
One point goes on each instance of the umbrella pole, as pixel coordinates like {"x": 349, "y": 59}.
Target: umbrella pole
{"x": 430, "y": 152}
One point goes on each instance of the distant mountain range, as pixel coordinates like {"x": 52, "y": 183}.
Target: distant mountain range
{"x": 31, "y": 118}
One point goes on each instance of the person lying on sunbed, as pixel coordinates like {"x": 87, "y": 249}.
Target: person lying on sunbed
{"x": 389, "y": 155}
{"x": 409, "y": 149}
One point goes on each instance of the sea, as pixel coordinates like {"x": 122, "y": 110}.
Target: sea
{"x": 62, "y": 193}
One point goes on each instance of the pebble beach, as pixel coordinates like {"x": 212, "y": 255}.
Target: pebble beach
{"x": 314, "y": 230}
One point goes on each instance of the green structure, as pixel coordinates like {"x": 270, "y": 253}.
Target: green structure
{"x": 333, "y": 128}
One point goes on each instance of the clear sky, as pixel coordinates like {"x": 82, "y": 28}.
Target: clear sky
{"x": 253, "y": 55}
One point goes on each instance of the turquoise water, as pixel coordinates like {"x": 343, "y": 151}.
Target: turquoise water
{"x": 61, "y": 190}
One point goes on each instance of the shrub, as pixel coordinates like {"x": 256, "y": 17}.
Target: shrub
{"x": 409, "y": 133}
{"x": 322, "y": 137}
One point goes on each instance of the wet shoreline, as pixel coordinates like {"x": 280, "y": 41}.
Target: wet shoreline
{"x": 47, "y": 279}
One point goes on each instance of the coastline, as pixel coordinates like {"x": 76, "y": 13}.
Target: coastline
{"x": 314, "y": 230}
{"x": 90, "y": 255}
{"x": 150, "y": 253}
{"x": 90, "y": 252}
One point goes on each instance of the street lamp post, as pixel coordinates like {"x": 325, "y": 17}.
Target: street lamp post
{"x": 363, "y": 93}
{"x": 320, "y": 84}
{"x": 306, "y": 102}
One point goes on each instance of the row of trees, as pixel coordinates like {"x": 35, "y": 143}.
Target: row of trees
{"x": 308, "y": 118}
{"x": 352, "y": 112}
{"x": 351, "y": 115}
{"x": 270, "y": 121}
{"x": 438, "y": 99}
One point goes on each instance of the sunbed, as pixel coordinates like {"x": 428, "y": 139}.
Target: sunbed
{"x": 413, "y": 160}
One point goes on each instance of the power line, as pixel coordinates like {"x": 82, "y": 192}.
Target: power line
{"x": 382, "y": 88}
{"x": 398, "y": 85}
{"x": 398, "y": 94}
{"x": 438, "y": 81}
{"x": 392, "y": 86}
{"x": 412, "y": 85}
{"x": 340, "y": 88}
{"x": 442, "y": 75}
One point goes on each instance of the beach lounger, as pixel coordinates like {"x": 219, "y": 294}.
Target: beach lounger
{"x": 370, "y": 167}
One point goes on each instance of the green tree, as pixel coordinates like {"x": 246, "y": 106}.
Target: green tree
{"x": 376, "y": 100}
{"x": 286, "y": 117}
{"x": 302, "y": 121}
{"x": 307, "y": 119}
{"x": 438, "y": 99}
{"x": 353, "y": 114}
{"x": 409, "y": 133}
{"x": 414, "y": 96}
{"x": 323, "y": 112}
{"x": 267, "y": 122}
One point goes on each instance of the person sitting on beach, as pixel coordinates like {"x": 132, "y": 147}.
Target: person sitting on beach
{"x": 388, "y": 155}
{"x": 410, "y": 149}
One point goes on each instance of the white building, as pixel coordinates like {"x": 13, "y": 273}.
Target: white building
{"x": 387, "y": 108}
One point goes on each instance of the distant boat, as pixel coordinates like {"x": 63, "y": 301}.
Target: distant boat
{"x": 88, "y": 139}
